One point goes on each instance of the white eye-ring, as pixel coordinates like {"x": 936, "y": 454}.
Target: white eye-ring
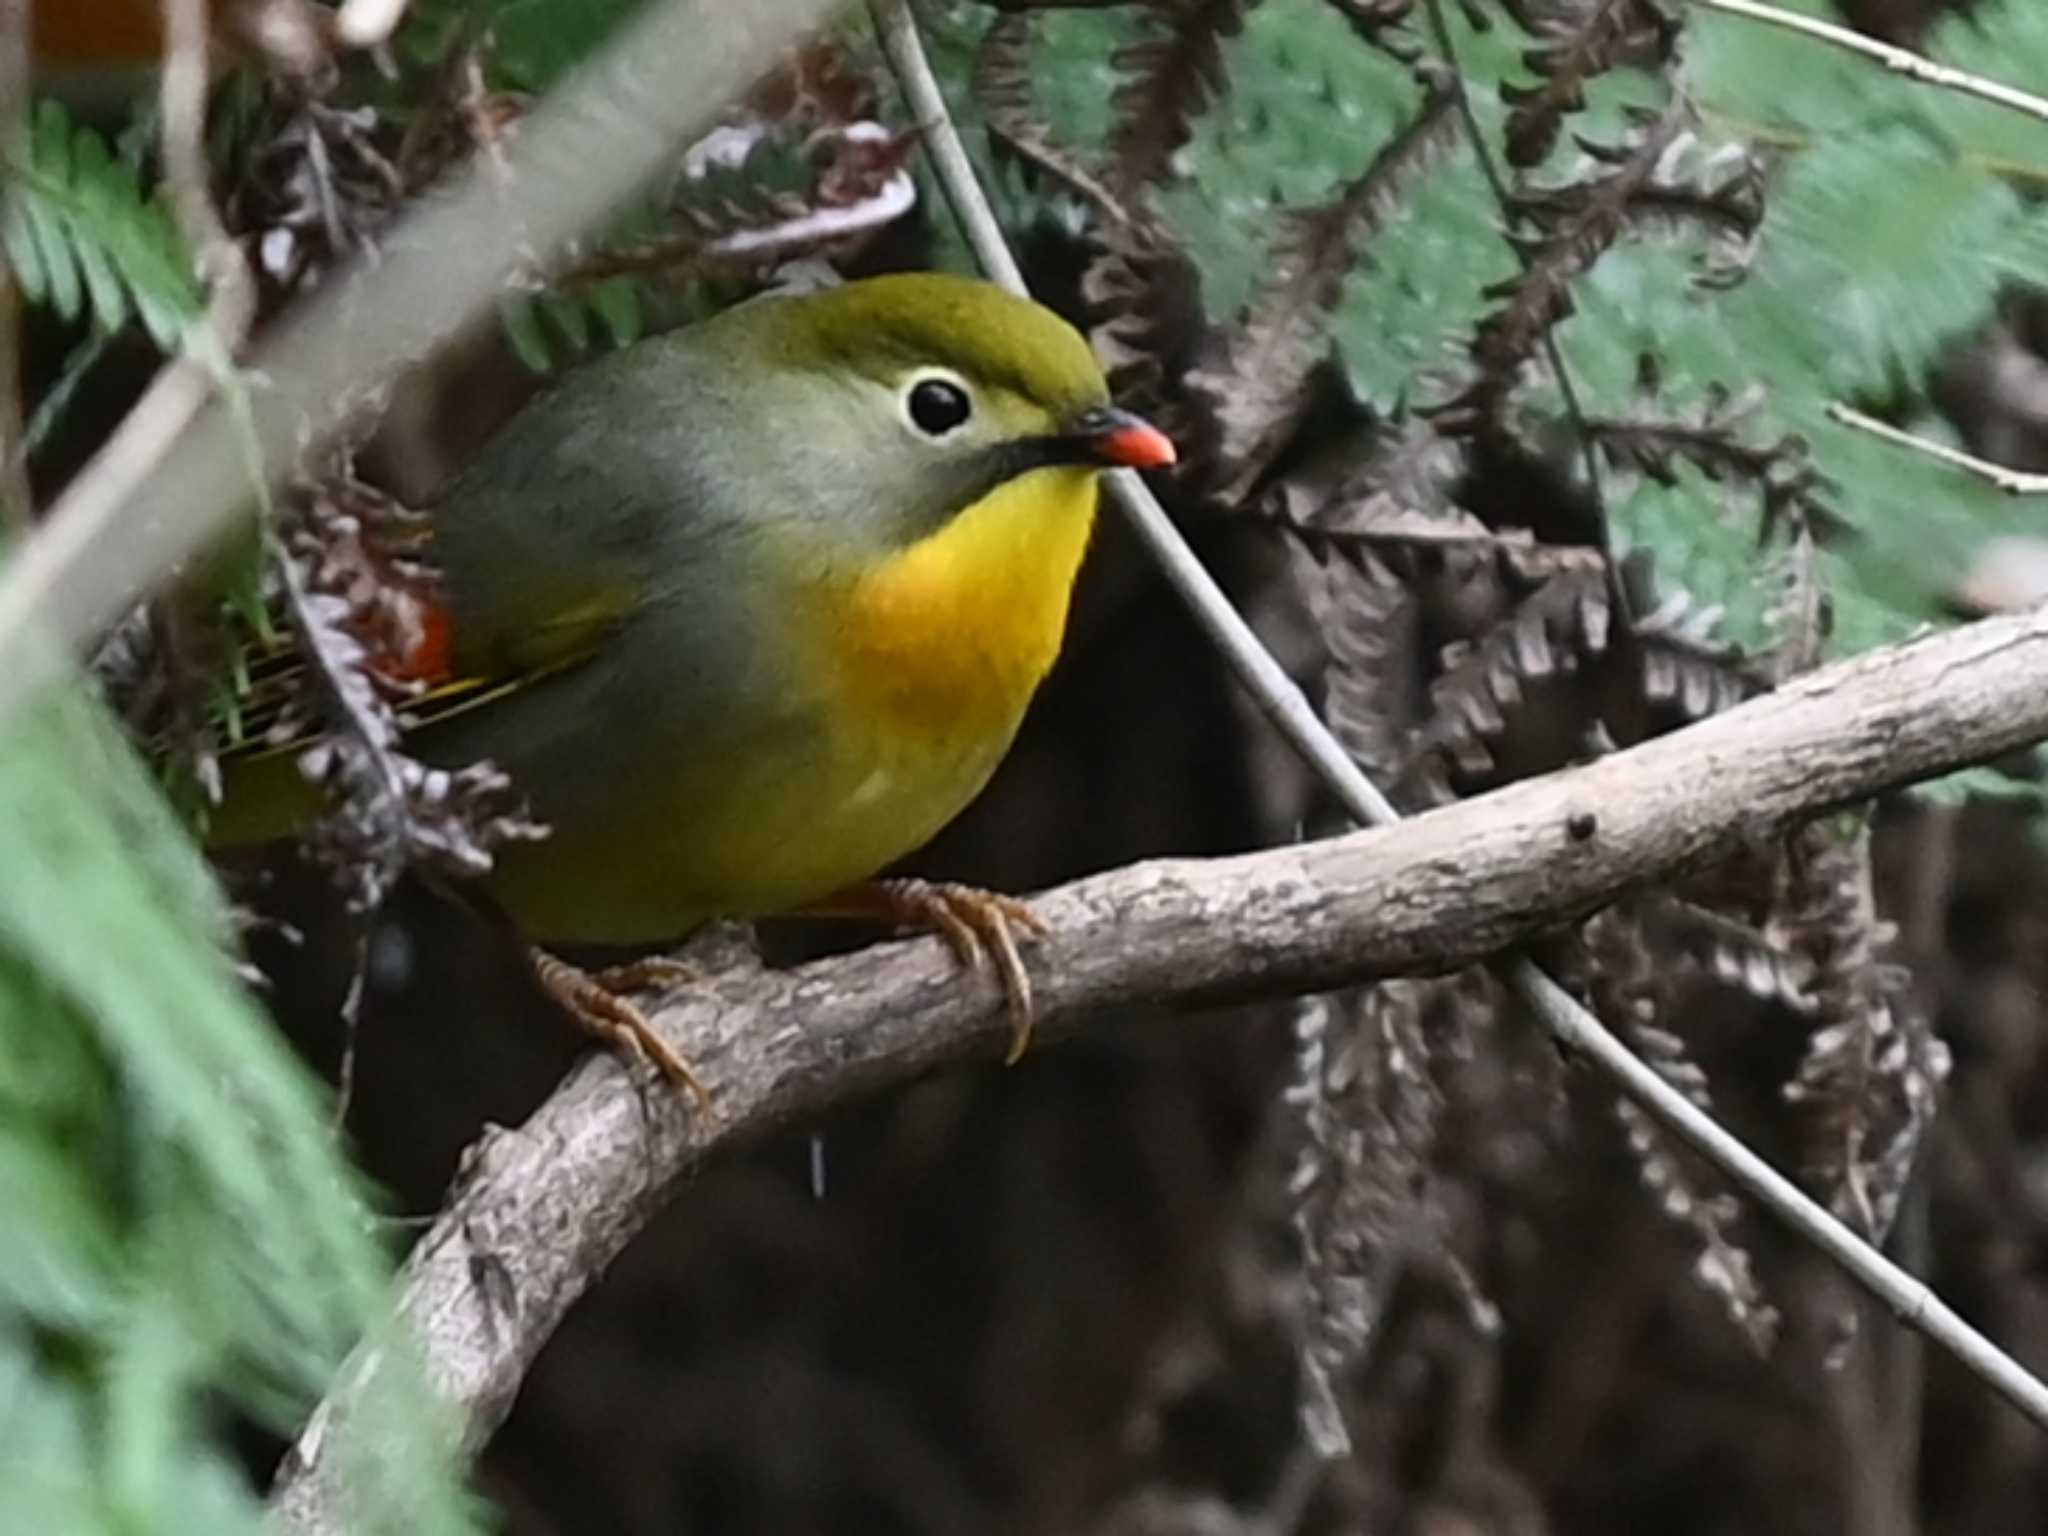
{"x": 937, "y": 402}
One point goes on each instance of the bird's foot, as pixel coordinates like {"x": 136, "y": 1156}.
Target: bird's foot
{"x": 978, "y": 926}
{"x": 596, "y": 1002}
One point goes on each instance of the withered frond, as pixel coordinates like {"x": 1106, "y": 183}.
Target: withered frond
{"x": 1383, "y": 24}
{"x": 1630, "y": 988}
{"x": 1713, "y": 440}
{"x": 1704, "y": 191}
{"x": 1174, "y": 71}
{"x": 1377, "y": 525}
{"x": 312, "y": 191}
{"x": 754, "y": 195}
{"x": 1370, "y": 621}
{"x": 1550, "y": 634}
{"x": 1405, "y": 459}
{"x": 1873, "y": 1064}
{"x": 1368, "y": 1110}
{"x": 1144, "y": 299}
{"x": 1001, "y": 83}
{"x": 1799, "y": 619}
{"x": 1576, "y": 43}
{"x": 1684, "y": 665}
{"x": 1581, "y": 220}
{"x": 1256, "y": 376}
{"x": 1733, "y": 952}
{"x": 352, "y": 604}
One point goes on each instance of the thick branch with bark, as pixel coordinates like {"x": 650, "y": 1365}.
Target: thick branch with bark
{"x": 540, "y": 1211}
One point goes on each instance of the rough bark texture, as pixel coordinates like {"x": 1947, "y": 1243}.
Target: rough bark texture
{"x": 540, "y": 1211}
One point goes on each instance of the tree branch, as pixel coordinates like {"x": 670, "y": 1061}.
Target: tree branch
{"x": 539, "y": 1212}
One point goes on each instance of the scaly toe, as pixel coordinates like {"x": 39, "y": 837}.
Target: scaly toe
{"x": 650, "y": 973}
{"x": 992, "y": 921}
{"x": 595, "y": 1004}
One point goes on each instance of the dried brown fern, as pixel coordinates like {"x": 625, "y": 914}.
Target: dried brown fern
{"x": 1383, "y": 24}
{"x": 1575, "y": 43}
{"x": 1734, "y": 953}
{"x": 1798, "y": 620}
{"x": 1684, "y": 666}
{"x": 352, "y": 593}
{"x": 1255, "y": 377}
{"x": 1368, "y": 1112}
{"x": 1143, "y": 295}
{"x": 1571, "y": 226}
{"x": 1001, "y": 82}
{"x": 1173, "y": 71}
{"x": 1867, "y": 1085}
{"x": 1630, "y": 987}
{"x": 1713, "y": 440}
{"x": 1556, "y": 630}
{"x": 1370, "y": 620}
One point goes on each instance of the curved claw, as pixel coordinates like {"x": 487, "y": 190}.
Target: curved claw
{"x": 977, "y": 925}
{"x": 595, "y": 1003}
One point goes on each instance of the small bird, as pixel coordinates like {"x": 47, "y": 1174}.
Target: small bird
{"x": 749, "y": 611}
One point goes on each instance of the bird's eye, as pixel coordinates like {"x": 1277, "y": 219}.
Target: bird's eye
{"x": 938, "y": 405}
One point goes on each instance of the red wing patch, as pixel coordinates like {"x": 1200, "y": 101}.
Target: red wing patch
{"x": 424, "y": 654}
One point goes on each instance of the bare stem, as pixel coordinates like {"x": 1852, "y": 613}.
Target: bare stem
{"x": 222, "y": 266}
{"x": 2013, "y": 482}
{"x": 1899, "y": 60}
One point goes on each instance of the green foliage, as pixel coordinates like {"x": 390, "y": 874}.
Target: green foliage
{"x": 182, "y": 1230}
{"x": 81, "y": 236}
{"x": 611, "y": 313}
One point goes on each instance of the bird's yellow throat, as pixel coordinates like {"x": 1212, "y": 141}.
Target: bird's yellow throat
{"x": 958, "y": 629}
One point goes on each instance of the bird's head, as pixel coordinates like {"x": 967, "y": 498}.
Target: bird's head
{"x": 902, "y": 401}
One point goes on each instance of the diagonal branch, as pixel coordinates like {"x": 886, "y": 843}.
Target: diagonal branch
{"x": 540, "y": 1211}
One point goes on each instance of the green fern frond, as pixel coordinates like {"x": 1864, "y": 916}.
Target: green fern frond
{"x": 181, "y": 1230}
{"x": 81, "y": 236}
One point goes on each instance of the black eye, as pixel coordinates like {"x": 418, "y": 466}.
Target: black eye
{"x": 938, "y": 406}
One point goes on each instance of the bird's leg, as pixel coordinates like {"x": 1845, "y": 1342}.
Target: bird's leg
{"x": 648, "y": 974}
{"x": 595, "y": 1002}
{"x": 977, "y": 926}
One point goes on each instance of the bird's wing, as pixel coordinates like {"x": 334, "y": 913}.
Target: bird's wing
{"x": 431, "y": 659}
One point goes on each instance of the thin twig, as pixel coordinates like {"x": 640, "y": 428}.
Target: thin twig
{"x": 222, "y": 266}
{"x": 541, "y": 1211}
{"x": 1284, "y": 703}
{"x": 2013, "y": 482}
{"x": 1900, "y": 60}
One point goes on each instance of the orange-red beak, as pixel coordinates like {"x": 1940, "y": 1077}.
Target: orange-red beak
{"x": 1112, "y": 436}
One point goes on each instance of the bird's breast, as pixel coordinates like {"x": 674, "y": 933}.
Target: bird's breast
{"x": 948, "y": 639}
{"x": 890, "y": 699}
